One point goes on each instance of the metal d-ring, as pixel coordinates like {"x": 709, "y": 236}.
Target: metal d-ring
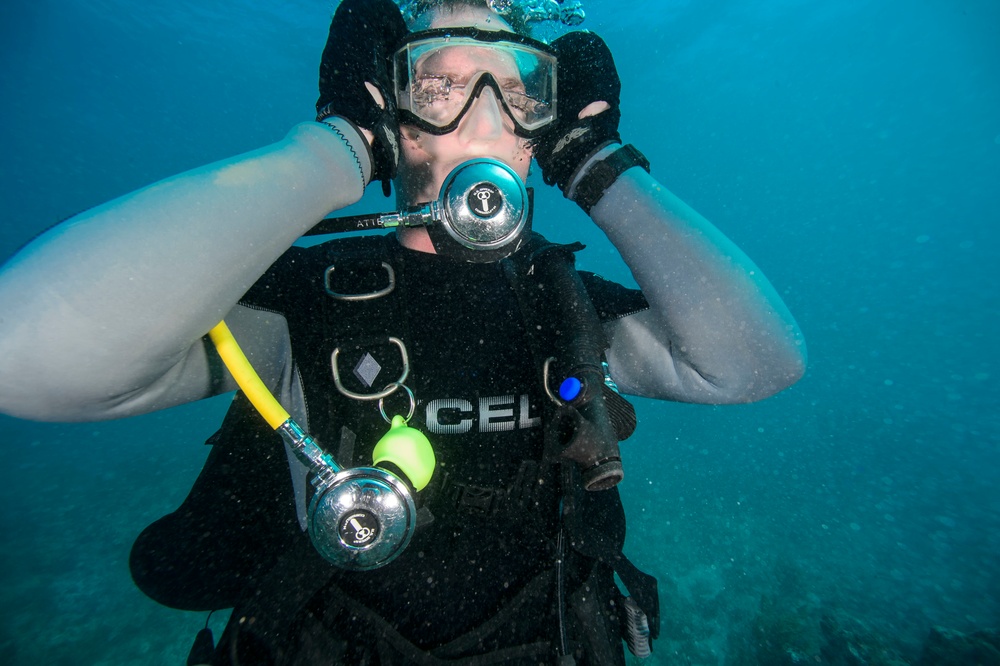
{"x": 389, "y": 390}
{"x": 413, "y": 401}
{"x": 545, "y": 380}
{"x": 385, "y": 291}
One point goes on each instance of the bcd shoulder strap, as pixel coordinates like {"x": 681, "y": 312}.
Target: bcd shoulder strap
{"x": 563, "y": 324}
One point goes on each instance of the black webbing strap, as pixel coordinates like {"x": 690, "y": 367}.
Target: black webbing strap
{"x": 559, "y": 317}
{"x": 561, "y": 320}
{"x": 262, "y": 630}
{"x": 603, "y": 542}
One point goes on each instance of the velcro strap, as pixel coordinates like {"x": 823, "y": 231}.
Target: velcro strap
{"x": 601, "y": 176}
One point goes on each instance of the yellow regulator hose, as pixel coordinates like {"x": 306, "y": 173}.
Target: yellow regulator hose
{"x": 403, "y": 446}
{"x": 246, "y": 377}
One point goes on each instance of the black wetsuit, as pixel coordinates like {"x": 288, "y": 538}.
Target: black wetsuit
{"x": 478, "y": 399}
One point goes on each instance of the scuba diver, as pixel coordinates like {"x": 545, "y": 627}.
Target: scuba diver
{"x": 420, "y": 464}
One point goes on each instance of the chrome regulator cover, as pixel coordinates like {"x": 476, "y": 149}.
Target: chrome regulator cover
{"x": 362, "y": 518}
{"x": 483, "y": 212}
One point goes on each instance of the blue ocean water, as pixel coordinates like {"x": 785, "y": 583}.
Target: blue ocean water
{"x": 851, "y": 148}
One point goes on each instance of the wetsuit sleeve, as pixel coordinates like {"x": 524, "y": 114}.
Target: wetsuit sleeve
{"x": 716, "y": 331}
{"x": 104, "y": 315}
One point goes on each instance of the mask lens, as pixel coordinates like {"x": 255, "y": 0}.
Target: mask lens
{"x": 436, "y": 77}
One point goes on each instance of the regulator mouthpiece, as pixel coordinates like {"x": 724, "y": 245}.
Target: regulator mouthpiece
{"x": 482, "y": 212}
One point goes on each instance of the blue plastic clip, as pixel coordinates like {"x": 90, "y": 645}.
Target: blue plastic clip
{"x": 570, "y": 389}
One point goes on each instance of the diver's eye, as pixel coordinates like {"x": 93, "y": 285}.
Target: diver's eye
{"x": 526, "y": 104}
{"x": 429, "y": 89}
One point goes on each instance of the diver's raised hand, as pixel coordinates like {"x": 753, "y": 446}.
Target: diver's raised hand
{"x": 356, "y": 60}
{"x": 587, "y": 76}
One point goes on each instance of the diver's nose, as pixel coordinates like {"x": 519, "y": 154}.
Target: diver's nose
{"x": 484, "y": 121}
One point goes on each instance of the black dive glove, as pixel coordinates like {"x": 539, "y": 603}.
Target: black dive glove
{"x": 586, "y": 73}
{"x": 357, "y": 51}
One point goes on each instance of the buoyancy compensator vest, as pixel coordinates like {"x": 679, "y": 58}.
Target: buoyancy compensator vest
{"x": 557, "y": 307}
{"x": 566, "y": 487}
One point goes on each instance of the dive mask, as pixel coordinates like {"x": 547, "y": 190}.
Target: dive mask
{"x": 439, "y": 73}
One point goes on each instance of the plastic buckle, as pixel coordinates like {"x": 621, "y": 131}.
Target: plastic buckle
{"x": 477, "y": 498}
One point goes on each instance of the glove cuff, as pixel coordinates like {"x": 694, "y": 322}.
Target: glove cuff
{"x": 560, "y": 157}
{"x": 601, "y": 175}
{"x": 383, "y": 151}
{"x": 386, "y": 151}
{"x": 333, "y": 121}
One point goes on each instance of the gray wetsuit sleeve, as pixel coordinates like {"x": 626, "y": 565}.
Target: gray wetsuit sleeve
{"x": 104, "y": 315}
{"x": 716, "y": 330}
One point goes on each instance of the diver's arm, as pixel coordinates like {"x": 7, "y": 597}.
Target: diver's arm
{"x": 716, "y": 331}
{"x": 103, "y": 315}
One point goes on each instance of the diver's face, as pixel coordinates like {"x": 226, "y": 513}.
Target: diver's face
{"x": 486, "y": 130}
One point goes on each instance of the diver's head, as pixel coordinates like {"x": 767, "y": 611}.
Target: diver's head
{"x": 507, "y": 14}
{"x": 463, "y": 95}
